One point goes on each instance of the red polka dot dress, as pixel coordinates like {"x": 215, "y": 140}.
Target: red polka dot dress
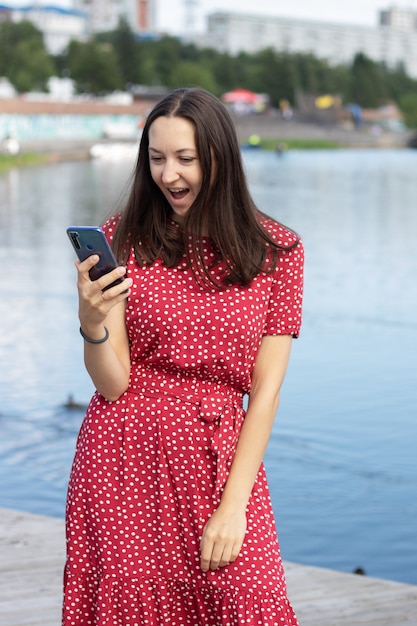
{"x": 149, "y": 468}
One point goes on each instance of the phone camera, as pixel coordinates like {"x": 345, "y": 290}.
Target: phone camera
{"x": 74, "y": 239}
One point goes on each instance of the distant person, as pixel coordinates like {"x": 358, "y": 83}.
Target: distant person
{"x": 169, "y": 519}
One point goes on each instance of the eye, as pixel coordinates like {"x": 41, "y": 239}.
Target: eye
{"x": 187, "y": 159}
{"x": 155, "y": 159}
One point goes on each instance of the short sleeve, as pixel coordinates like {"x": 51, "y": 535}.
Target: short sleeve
{"x": 109, "y": 227}
{"x": 285, "y": 303}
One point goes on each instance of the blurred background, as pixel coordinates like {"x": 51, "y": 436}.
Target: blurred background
{"x": 325, "y": 106}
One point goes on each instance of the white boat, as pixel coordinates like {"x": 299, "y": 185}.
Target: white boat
{"x": 115, "y": 151}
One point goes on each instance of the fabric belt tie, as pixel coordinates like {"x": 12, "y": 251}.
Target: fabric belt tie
{"x": 222, "y": 409}
{"x": 228, "y": 415}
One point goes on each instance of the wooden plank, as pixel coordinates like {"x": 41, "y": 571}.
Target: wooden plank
{"x": 32, "y": 559}
{"x": 324, "y": 597}
{"x": 32, "y": 552}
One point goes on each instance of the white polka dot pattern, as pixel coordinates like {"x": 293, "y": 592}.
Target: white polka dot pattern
{"x": 149, "y": 468}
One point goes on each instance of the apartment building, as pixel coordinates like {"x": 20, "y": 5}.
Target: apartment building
{"x": 337, "y": 43}
{"x": 398, "y": 18}
{"x": 104, "y": 15}
{"x": 57, "y": 25}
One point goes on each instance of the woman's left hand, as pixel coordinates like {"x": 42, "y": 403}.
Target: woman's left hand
{"x": 222, "y": 538}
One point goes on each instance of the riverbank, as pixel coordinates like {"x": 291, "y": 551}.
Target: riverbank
{"x": 271, "y": 134}
{"x": 300, "y": 134}
{"x": 42, "y": 152}
{"x": 32, "y": 561}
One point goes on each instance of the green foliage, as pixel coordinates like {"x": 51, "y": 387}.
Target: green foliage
{"x": 94, "y": 67}
{"x": 117, "y": 59}
{"x": 368, "y": 87}
{"x": 23, "y": 57}
{"x": 298, "y": 144}
{"x": 398, "y": 83}
{"x": 8, "y": 161}
{"x": 187, "y": 73}
{"x": 124, "y": 44}
{"x": 166, "y": 53}
{"x": 223, "y": 67}
{"x": 408, "y": 105}
{"x": 273, "y": 73}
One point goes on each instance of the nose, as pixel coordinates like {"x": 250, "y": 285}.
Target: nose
{"x": 169, "y": 173}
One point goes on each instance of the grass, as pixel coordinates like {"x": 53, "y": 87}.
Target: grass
{"x": 8, "y": 161}
{"x": 299, "y": 144}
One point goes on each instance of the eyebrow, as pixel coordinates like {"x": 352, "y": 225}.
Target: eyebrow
{"x": 150, "y": 149}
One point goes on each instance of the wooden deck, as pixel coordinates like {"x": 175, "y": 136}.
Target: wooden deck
{"x": 31, "y": 563}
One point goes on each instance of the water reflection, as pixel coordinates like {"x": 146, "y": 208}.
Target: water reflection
{"x": 343, "y": 448}
{"x": 356, "y": 212}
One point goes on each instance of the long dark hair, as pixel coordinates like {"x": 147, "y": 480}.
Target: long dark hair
{"x": 224, "y": 209}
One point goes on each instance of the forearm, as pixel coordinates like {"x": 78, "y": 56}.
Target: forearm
{"x": 250, "y": 450}
{"x": 267, "y": 378}
{"x": 225, "y": 530}
{"x": 108, "y": 362}
{"x": 109, "y": 374}
{"x": 101, "y": 312}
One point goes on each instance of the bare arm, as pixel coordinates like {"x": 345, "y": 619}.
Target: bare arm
{"x": 107, "y": 363}
{"x": 224, "y": 532}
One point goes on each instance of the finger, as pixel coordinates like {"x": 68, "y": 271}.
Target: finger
{"x": 230, "y": 553}
{"x": 226, "y": 558}
{"x": 119, "y": 291}
{"x": 207, "y": 546}
{"x": 229, "y": 556}
{"x": 86, "y": 265}
{"x": 205, "y": 558}
{"x": 219, "y": 557}
{"x": 106, "y": 281}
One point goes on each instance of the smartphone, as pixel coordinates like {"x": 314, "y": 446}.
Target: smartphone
{"x": 88, "y": 240}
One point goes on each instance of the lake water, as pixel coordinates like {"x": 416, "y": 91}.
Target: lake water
{"x": 342, "y": 461}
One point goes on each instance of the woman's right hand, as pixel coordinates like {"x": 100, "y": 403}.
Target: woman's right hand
{"x": 94, "y": 303}
{"x": 107, "y": 362}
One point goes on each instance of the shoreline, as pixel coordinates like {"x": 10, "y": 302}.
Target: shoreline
{"x": 343, "y": 136}
{"x": 272, "y": 134}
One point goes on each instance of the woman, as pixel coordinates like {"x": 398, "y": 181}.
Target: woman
{"x": 169, "y": 519}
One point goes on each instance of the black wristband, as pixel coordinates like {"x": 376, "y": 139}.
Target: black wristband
{"x": 89, "y": 340}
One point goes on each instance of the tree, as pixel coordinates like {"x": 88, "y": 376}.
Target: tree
{"x": 114, "y": 59}
{"x": 166, "y": 54}
{"x": 224, "y": 68}
{"x": 399, "y": 83}
{"x": 408, "y": 105}
{"x": 126, "y": 49}
{"x": 187, "y": 73}
{"x": 368, "y": 87}
{"x": 273, "y": 73}
{"x": 94, "y": 68}
{"x": 23, "y": 56}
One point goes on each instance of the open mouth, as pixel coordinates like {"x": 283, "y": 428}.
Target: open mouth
{"x": 178, "y": 194}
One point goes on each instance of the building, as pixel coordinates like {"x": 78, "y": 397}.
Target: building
{"x": 57, "y": 25}
{"x": 337, "y": 43}
{"x": 104, "y": 15}
{"x": 146, "y": 16}
{"x": 400, "y": 19}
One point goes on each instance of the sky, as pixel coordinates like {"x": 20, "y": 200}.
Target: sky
{"x": 171, "y": 13}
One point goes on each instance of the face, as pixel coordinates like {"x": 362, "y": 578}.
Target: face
{"x": 174, "y": 162}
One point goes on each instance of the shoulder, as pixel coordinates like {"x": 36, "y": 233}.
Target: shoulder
{"x": 109, "y": 227}
{"x": 284, "y": 237}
